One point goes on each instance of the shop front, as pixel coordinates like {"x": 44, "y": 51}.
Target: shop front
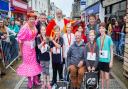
{"x": 115, "y": 8}
{"x": 19, "y": 9}
{"x": 4, "y": 8}
{"x": 93, "y": 9}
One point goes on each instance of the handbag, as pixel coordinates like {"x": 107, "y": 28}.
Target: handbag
{"x": 91, "y": 80}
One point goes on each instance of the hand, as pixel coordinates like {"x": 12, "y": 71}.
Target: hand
{"x": 110, "y": 64}
{"x": 2, "y": 37}
{"x": 20, "y": 53}
{"x": 89, "y": 68}
{"x": 51, "y": 38}
{"x": 80, "y": 64}
{"x": 93, "y": 69}
{"x": 5, "y": 35}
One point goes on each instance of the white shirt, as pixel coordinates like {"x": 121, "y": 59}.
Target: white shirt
{"x": 66, "y": 42}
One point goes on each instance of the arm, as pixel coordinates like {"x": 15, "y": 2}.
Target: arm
{"x": 111, "y": 61}
{"x": 56, "y": 44}
{"x": 86, "y": 61}
{"x": 97, "y": 57}
{"x": 11, "y": 31}
{"x": 69, "y": 57}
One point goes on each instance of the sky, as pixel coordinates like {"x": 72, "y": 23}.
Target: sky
{"x": 64, "y": 5}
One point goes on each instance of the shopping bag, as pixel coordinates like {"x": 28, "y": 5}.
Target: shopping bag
{"x": 91, "y": 80}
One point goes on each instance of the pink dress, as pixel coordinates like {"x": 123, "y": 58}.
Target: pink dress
{"x": 29, "y": 66}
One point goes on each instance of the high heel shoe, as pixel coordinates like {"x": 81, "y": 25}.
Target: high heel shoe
{"x": 30, "y": 85}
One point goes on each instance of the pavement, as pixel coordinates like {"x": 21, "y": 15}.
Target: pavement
{"x": 13, "y": 81}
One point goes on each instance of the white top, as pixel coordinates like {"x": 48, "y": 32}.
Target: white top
{"x": 60, "y": 23}
{"x": 66, "y": 42}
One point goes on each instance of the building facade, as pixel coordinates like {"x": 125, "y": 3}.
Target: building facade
{"x": 39, "y": 6}
{"x": 125, "y": 66}
{"x": 76, "y": 13}
{"x": 115, "y": 8}
{"x": 94, "y": 7}
{"x": 18, "y": 8}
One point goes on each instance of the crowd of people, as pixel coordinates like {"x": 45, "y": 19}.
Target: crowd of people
{"x": 73, "y": 47}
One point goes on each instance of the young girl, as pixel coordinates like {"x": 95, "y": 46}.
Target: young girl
{"x": 56, "y": 51}
{"x": 92, "y": 52}
{"x": 83, "y": 35}
{"x": 43, "y": 45}
{"x": 105, "y": 45}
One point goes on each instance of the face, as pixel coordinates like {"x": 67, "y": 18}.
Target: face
{"x": 124, "y": 19}
{"x": 57, "y": 32}
{"x": 12, "y": 22}
{"x": 92, "y": 20}
{"x": 59, "y": 14}
{"x": 91, "y": 36}
{"x": 1, "y": 24}
{"x": 116, "y": 23}
{"x": 78, "y": 36}
{"x": 31, "y": 20}
{"x": 80, "y": 29}
{"x": 69, "y": 28}
{"x": 43, "y": 18}
{"x": 102, "y": 30}
{"x": 43, "y": 31}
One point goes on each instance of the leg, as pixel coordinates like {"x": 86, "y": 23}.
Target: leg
{"x": 81, "y": 72}
{"x": 54, "y": 68}
{"x": 36, "y": 80}
{"x": 107, "y": 80}
{"x": 44, "y": 81}
{"x": 102, "y": 79}
{"x": 30, "y": 82}
{"x": 60, "y": 71}
{"x": 73, "y": 75}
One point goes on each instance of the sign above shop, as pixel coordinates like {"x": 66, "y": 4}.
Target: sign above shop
{"x": 4, "y": 5}
{"x": 20, "y": 4}
{"x": 109, "y": 2}
{"x": 93, "y": 10}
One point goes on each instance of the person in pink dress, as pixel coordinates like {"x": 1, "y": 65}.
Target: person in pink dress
{"x": 29, "y": 67}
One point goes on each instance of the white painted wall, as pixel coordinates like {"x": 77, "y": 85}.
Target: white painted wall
{"x": 39, "y": 5}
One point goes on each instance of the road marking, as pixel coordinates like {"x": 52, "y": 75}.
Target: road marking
{"x": 18, "y": 85}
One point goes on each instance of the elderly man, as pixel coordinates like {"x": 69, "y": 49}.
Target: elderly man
{"x": 75, "y": 57}
{"x": 59, "y": 21}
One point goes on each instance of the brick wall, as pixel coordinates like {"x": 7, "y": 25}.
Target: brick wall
{"x": 125, "y": 66}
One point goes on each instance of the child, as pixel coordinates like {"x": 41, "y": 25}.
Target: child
{"x": 92, "y": 52}
{"x": 105, "y": 45}
{"x": 43, "y": 45}
{"x": 68, "y": 38}
{"x": 56, "y": 53}
{"x": 83, "y": 35}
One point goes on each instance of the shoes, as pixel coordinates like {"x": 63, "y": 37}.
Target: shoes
{"x": 52, "y": 83}
{"x": 30, "y": 85}
{"x": 36, "y": 81}
{"x": 55, "y": 86}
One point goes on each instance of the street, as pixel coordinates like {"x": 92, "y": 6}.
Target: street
{"x": 13, "y": 81}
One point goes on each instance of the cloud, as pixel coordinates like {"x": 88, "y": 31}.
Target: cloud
{"x": 64, "y": 5}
